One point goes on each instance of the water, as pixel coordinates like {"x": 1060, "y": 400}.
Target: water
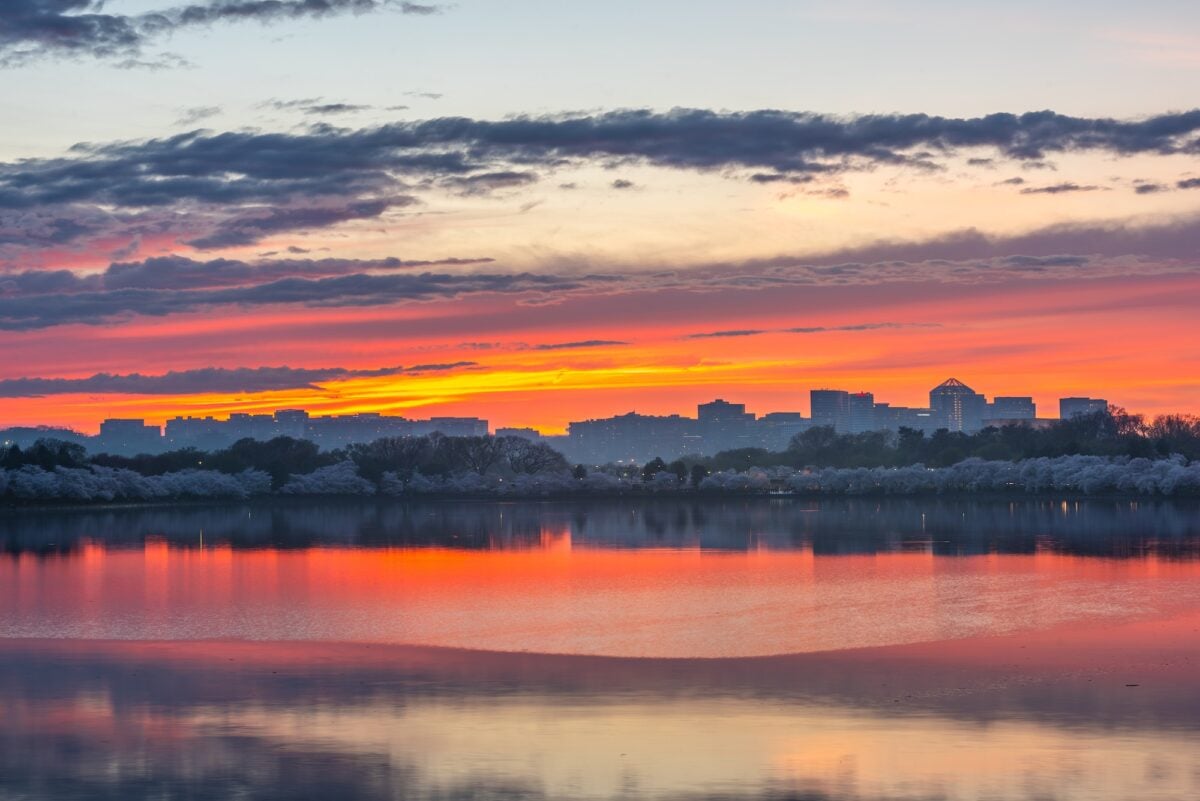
{"x": 641, "y": 649}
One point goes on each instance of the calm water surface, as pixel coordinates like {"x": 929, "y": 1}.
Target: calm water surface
{"x": 768, "y": 649}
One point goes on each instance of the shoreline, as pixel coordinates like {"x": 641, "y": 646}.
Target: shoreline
{"x": 698, "y": 495}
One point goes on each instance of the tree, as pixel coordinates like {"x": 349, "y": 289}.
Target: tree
{"x": 699, "y": 473}
{"x": 679, "y": 469}
{"x": 655, "y": 465}
{"x": 579, "y": 473}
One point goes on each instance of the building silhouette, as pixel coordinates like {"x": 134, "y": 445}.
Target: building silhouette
{"x": 1074, "y": 407}
{"x": 957, "y": 407}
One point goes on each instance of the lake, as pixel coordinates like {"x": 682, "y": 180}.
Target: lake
{"x": 750, "y": 648}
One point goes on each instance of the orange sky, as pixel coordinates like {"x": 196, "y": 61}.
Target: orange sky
{"x": 1131, "y": 341}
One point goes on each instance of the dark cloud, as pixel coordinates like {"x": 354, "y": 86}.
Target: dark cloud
{"x": 156, "y": 287}
{"x": 586, "y": 343}
{"x": 38, "y": 299}
{"x": 1149, "y": 189}
{"x": 34, "y": 28}
{"x": 180, "y": 273}
{"x": 488, "y": 182}
{"x": 315, "y": 106}
{"x": 817, "y": 329}
{"x": 622, "y": 183}
{"x": 204, "y": 380}
{"x": 202, "y": 185}
{"x": 1188, "y": 183}
{"x": 1016, "y": 180}
{"x": 737, "y": 332}
{"x": 1058, "y": 189}
{"x": 255, "y": 226}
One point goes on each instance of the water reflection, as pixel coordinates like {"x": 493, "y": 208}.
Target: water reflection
{"x": 224, "y": 720}
{"x": 1117, "y": 528}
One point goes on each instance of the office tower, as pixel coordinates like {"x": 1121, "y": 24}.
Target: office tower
{"x": 957, "y": 407}
{"x": 1074, "y": 407}
{"x": 723, "y": 426}
{"x": 860, "y": 412}
{"x": 830, "y": 407}
{"x": 127, "y": 437}
{"x": 1012, "y": 408}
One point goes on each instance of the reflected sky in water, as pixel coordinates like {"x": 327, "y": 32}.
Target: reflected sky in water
{"x": 749, "y": 649}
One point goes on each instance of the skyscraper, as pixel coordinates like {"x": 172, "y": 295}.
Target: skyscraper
{"x": 957, "y": 407}
{"x": 830, "y": 407}
{"x": 860, "y": 412}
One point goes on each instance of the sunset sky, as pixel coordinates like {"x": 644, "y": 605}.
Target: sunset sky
{"x": 538, "y": 212}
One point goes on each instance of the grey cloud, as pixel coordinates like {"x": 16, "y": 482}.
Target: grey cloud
{"x": 253, "y": 227}
{"x": 586, "y": 343}
{"x": 34, "y": 28}
{"x": 1058, "y": 189}
{"x": 203, "y": 380}
{"x": 216, "y": 177}
{"x": 157, "y": 287}
{"x": 622, "y": 183}
{"x": 488, "y": 182}
{"x": 195, "y": 114}
{"x": 817, "y": 329}
{"x": 1149, "y": 189}
{"x": 1188, "y": 183}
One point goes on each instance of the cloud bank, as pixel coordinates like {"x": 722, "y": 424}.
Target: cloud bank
{"x": 204, "y": 380}
{"x": 32, "y": 29}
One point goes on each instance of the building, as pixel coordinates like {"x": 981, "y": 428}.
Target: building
{"x": 776, "y": 429}
{"x": 291, "y": 423}
{"x": 860, "y": 413}
{"x": 724, "y": 426}
{"x": 1012, "y": 408}
{"x": 127, "y": 437}
{"x": 630, "y": 437}
{"x": 830, "y": 407}
{"x": 531, "y": 434}
{"x": 452, "y": 427}
{"x": 1074, "y": 407}
{"x": 957, "y": 407}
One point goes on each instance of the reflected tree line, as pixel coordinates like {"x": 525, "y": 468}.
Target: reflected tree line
{"x": 1106, "y": 528}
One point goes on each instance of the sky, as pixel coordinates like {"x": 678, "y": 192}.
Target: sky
{"x": 538, "y": 212}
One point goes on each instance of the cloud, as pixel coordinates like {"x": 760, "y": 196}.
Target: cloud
{"x": 204, "y": 380}
{"x": 315, "y": 106}
{"x": 1149, "y": 189}
{"x": 488, "y": 182}
{"x": 622, "y": 183}
{"x": 1058, "y": 189}
{"x": 201, "y": 186}
{"x": 195, "y": 114}
{"x": 1188, "y": 183}
{"x": 819, "y": 329}
{"x": 255, "y": 226}
{"x": 31, "y": 29}
{"x": 33, "y": 299}
{"x": 586, "y": 343}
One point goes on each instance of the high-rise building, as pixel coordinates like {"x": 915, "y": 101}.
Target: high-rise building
{"x": 830, "y": 407}
{"x": 957, "y": 407}
{"x": 127, "y": 437}
{"x": 291, "y": 423}
{"x": 1012, "y": 408}
{"x": 724, "y": 426}
{"x": 860, "y": 413}
{"x": 1074, "y": 407}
